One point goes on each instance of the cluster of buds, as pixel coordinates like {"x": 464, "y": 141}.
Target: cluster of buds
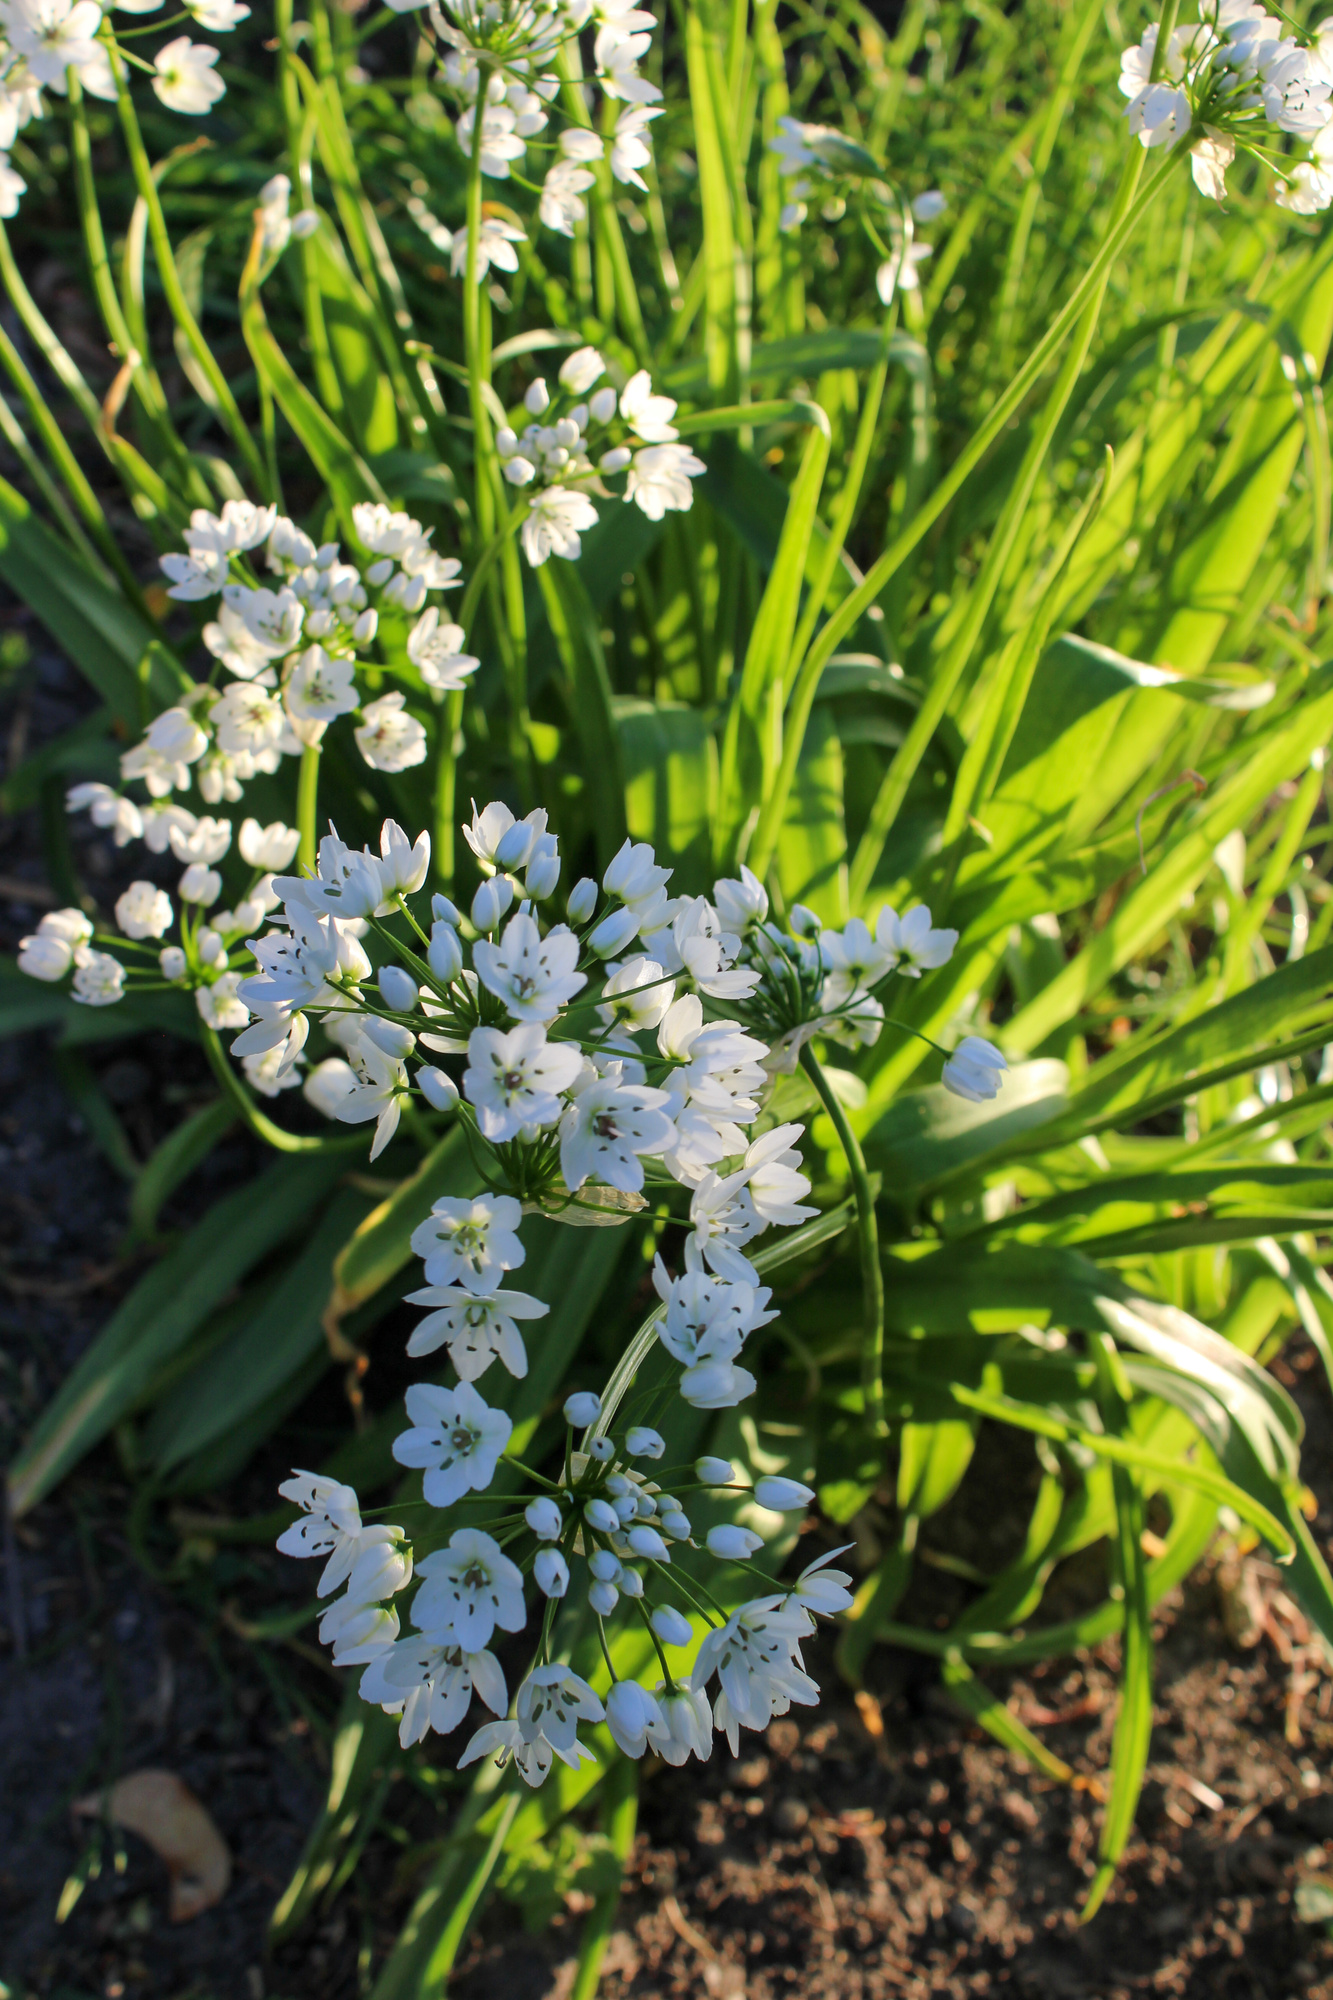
{"x": 298, "y": 654}
{"x": 1233, "y": 79}
{"x": 550, "y": 458}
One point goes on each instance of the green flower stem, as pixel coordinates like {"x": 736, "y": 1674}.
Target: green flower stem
{"x": 446, "y": 789}
{"x": 228, "y": 408}
{"x": 99, "y": 263}
{"x": 307, "y": 805}
{"x": 867, "y": 1230}
{"x": 263, "y": 1128}
{"x": 44, "y": 339}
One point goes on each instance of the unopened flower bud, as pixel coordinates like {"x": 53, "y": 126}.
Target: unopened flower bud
{"x": 582, "y": 901}
{"x": 210, "y": 947}
{"x": 379, "y": 572}
{"x": 398, "y": 989}
{"x": 566, "y": 432}
{"x": 491, "y": 901}
{"x": 671, "y": 1626}
{"x": 601, "y": 1449}
{"x": 604, "y": 1566}
{"x": 544, "y": 1518}
{"x": 506, "y": 442}
{"x": 731, "y": 1543}
{"x": 600, "y": 1514}
{"x": 537, "y": 399}
{"x": 631, "y": 1583}
{"x": 387, "y": 1035}
{"x": 602, "y": 406}
{"x": 305, "y": 224}
{"x": 603, "y": 1598}
{"x": 443, "y": 911}
{"x": 551, "y": 1573}
{"x": 520, "y": 471}
{"x": 438, "y": 1088}
{"x": 714, "y": 1471}
{"x": 515, "y": 844}
{"x": 445, "y": 953}
{"x": 582, "y": 1408}
{"x": 782, "y": 1496}
{"x": 366, "y": 626}
{"x": 615, "y": 460}
{"x": 542, "y": 875}
{"x": 614, "y": 932}
{"x": 647, "y": 1542}
{"x": 676, "y": 1524}
{"x": 627, "y": 1508}
{"x": 640, "y": 1442}
{"x": 172, "y": 961}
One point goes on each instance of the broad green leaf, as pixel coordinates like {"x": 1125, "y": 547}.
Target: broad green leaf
{"x": 380, "y": 1244}
{"x": 811, "y": 856}
{"x": 578, "y": 642}
{"x": 929, "y": 1135}
{"x": 932, "y": 1461}
{"x": 804, "y": 355}
{"x": 175, "y": 1160}
{"x": 669, "y": 758}
{"x": 169, "y": 1303}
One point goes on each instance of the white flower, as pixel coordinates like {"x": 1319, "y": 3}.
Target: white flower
{"x": 1308, "y": 192}
{"x": 200, "y": 884}
{"x": 688, "y": 1721}
{"x": 741, "y": 903}
{"x": 436, "y": 651}
{"x": 219, "y": 1004}
{"x": 634, "y": 999}
{"x": 185, "y": 80}
{"x": 500, "y": 143}
{"x": 381, "y": 1086}
{"x": 330, "y": 1525}
{"x": 630, "y": 149}
{"x": 469, "y": 1588}
{"x": 206, "y": 840}
{"x": 357, "y": 1631}
{"x": 195, "y": 575}
{"x": 253, "y": 628}
{"x": 535, "y": 976}
{"x": 219, "y": 17}
{"x": 618, "y": 57}
{"x": 556, "y": 519}
{"x": 730, "y": 1543}
{"x": 562, "y": 204}
{"x": 49, "y": 953}
{"x": 552, "y": 1701}
{"x": 633, "y": 1719}
{"x": 916, "y": 945}
{"x": 821, "y": 1590}
{"x": 349, "y": 882}
{"x": 495, "y": 245}
{"x": 54, "y": 36}
{"x": 607, "y": 1126}
{"x": 144, "y": 910}
{"x": 248, "y": 718}
{"x": 389, "y": 739}
{"x": 516, "y": 1080}
{"x": 431, "y": 1685}
{"x": 708, "y": 953}
{"x": 505, "y": 1740}
{"x": 404, "y": 864}
{"x": 899, "y": 273}
{"x": 581, "y": 369}
{"x": 754, "y": 1656}
{"x": 107, "y": 808}
{"x": 975, "y": 1070}
{"x": 241, "y": 525}
{"x": 316, "y": 688}
{"x": 854, "y": 958}
{"x": 328, "y": 1085}
{"x": 1295, "y": 92}
{"x": 268, "y": 847}
{"x": 707, "y": 1318}
{"x": 726, "y": 1213}
{"x": 470, "y": 1241}
{"x": 270, "y": 1073}
{"x": 458, "y": 1440}
{"x": 476, "y": 1330}
{"x": 172, "y": 743}
{"x": 99, "y": 979}
{"x": 647, "y": 415}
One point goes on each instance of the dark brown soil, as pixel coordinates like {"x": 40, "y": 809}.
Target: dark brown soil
{"x": 882, "y": 1849}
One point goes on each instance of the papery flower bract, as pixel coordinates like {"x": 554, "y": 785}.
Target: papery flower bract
{"x": 470, "y": 1241}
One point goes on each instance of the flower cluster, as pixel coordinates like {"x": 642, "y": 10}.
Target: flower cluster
{"x": 550, "y": 456}
{"x": 298, "y": 651}
{"x": 604, "y": 1529}
{"x": 1231, "y": 79}
{"x": 42, "y": 41}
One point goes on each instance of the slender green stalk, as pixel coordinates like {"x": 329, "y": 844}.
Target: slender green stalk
{"x": 867, "y": 1231}
{"x": 857, "y": 602}
{"x": 263, "y": 1128}
{"x": 949, "y": 668}
{"x": 16, "y": 438}
{"x": 179, "y": 305}
{"x": 446, "y": 789}
{"x": 307, "y": 806}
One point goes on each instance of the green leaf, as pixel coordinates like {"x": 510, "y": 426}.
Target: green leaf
{"x": 380, "y": 1245}
{"x": 175, "y": 1160}
{"x": 578, "y": 642}
{"x": 169, "y": 1303}
{"x": 669, "y": 758}
{"x": 927, "y": 1136}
